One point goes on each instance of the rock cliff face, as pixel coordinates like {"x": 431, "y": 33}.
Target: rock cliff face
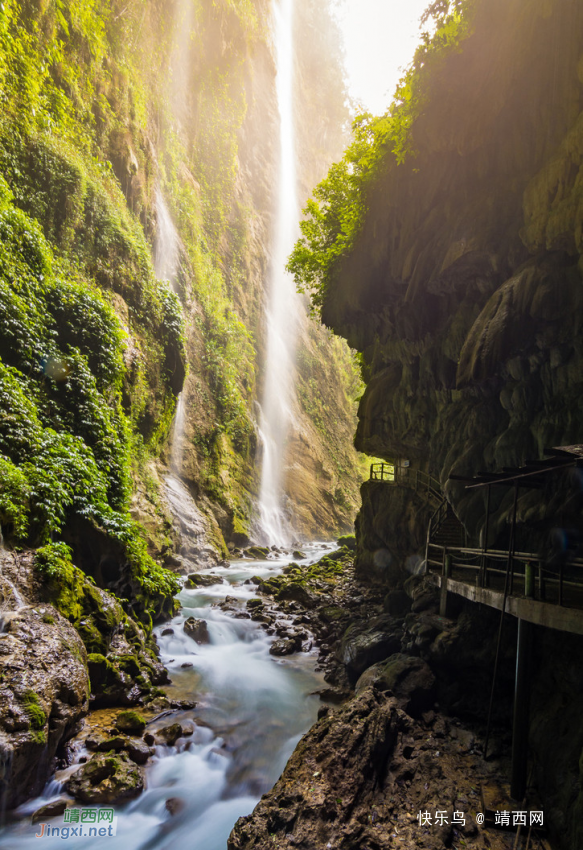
{"x": 43, "y": 692}
{"x": 464, "y": 289}
{"x": 231, "y": 121}
{"x": 464, "y": 294}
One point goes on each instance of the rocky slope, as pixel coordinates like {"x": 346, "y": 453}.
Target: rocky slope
{"x": 400, "y": 729}
{"x": 66, "y": 646}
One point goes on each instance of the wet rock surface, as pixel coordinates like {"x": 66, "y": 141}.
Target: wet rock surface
{"x": 397, "y": 746}
{"x": 51, "y": 667}
{"x": 43, "y": 695}
{"x": 360, "y": 777}
{"x": 197, "y": 629}
{"x": 106, "y": 778}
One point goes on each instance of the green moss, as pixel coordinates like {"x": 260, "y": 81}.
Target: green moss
{"x": 131, "y": 722}
{"x": 34, "y": 711}
{"x": 39, "y": 736}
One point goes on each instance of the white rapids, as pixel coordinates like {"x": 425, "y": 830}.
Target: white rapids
{"x": 251, "y": 711}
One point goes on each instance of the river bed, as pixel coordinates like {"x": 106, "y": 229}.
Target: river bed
{"x": 251, "y": 710}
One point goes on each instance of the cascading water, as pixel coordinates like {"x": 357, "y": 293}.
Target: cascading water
{"x": 167, "y": 243}
{"x": 195, "y": 551}
{"x": 251, "y": 710}
{"x": 283, "y": 311}
{"x": 166, "y": 255}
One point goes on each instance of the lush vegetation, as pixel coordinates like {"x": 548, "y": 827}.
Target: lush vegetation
{"x": 334, "y": 215}
{"x": 99, "y": 110}
{"x": 91, "y": 355}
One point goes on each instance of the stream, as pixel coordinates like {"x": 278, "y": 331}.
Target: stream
{"x": 251, "y": 711}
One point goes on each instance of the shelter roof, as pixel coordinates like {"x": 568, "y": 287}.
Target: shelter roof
{"x": 533, "y": 474}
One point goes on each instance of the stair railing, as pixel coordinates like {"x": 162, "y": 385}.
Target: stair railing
{"x": 420, "y": 481}
{"x": 436, "y": 520}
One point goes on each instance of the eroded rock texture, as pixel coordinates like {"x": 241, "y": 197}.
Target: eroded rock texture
{"x": 465, "y": 290}
{"x": 358, "y": 779}
{"x": 43, "y": 694}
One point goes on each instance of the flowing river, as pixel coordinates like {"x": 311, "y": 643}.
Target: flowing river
{"x": 251, "y": 711}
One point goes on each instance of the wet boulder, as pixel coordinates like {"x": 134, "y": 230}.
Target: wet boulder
{"x": 358, "y": 651}
{"x": 299, "y": 556}
{"x": 52, "y": 810}
{"x": 323, "y": 798}
{"x": 296, "y": 592}
{"x": 137, "y": 750}
{"x": 130, "y": 722}
{"x": 286, "y": 646}
{"x": 170, "y": 734}
{"x": 174, "y": 805}
{"x": 106, "y": 778}
{"x": 200, "y": 580}
{"x": 409, "y": 679}
{"x": 197, "y": 630}
{"x": 258, "y": 553}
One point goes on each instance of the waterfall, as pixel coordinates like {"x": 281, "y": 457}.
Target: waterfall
{"x": 177, "y": 450}
{"x": 283, "y": 310}
{"x": 166, "y": 254}
{"x": 167, "y": 243}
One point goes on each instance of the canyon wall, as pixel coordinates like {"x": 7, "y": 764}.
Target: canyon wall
{"x": 463, "y": 289}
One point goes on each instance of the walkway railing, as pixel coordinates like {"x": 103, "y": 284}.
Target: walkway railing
{"x": 423, "y": 483}
{"x": 528, "y": 574}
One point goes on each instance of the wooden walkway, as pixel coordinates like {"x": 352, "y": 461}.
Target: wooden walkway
{"x": 554, "y": 598}
{"x": 546, "y": 597}
{"x": 535, "y": 590}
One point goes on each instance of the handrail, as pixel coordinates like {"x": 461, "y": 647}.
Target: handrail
{"x": 502, "y": 554}
{"x": 419, "y": 480}
{"x": 557, "y": 580}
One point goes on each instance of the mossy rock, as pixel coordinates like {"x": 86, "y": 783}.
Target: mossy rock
{"x": 260, "y": 553}
{"x": 200, "y": 580}
{"x": 130, "y": 722}
{"x": 348, "y": 541}
{"x": 295, "y": 592}
{"x": 36, "y": 716}
{"x": 106, "y": 778}
{"x": 331, "y": 614}
{"x": 338, "y": 554}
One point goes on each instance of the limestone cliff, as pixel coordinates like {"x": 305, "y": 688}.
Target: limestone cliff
{"x": 463, "y": 290}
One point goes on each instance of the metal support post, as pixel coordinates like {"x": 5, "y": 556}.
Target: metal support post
{"x": 521, "y": 697}
{"x": 445, "y": 575}
{"x": 521, "y": 712}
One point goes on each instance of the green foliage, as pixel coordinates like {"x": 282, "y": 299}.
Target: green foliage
{"x": 335, "y": 214}
{"x": 14, "y": 493}
{"x": 53, "y": 563}
{"x": 64, "y": 436}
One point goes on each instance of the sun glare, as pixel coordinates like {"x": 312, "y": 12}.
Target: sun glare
{"x": 380, "y": 37}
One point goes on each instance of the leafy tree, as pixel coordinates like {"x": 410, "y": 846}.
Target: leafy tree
{"x": 334, "y": 216}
